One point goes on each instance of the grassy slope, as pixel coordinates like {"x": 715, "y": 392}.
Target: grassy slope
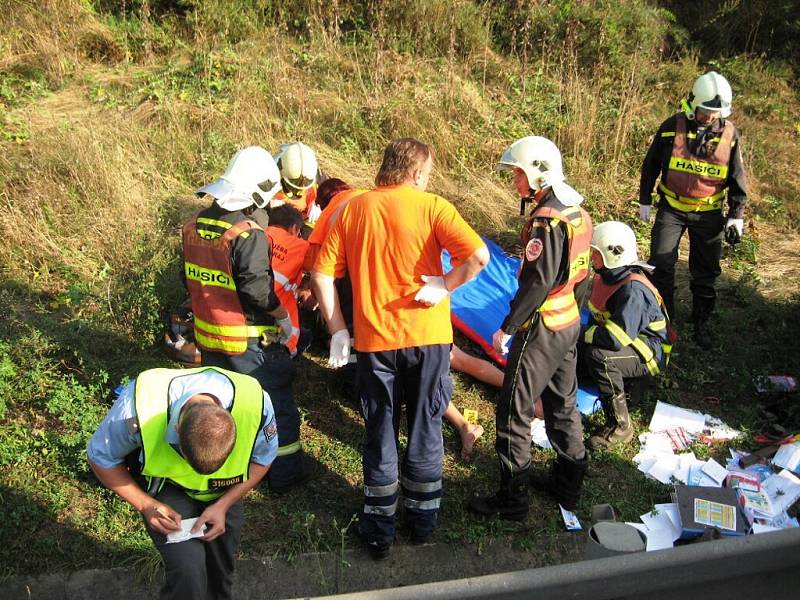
{"x": 108, "y": 125}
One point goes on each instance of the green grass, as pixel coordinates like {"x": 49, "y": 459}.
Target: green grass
{"x": 109, "y": 120}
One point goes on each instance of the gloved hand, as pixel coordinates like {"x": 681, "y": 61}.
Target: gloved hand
{"x": 433, "y": 292}
{"x": 733, "y": 231}
{"x": 500, "y": 341}
{"x": 286, "y": 329}
{"x": 644, "y": 212}
{"x": 340, "y": 349}
{"x": 313, "y": 213}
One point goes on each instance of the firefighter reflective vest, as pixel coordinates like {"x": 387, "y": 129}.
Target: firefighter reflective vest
{"x": 694, "y": 183}
{"x": 220, "y": 324}
{"x": 301, "y": 200}
{"x": 560, "y": 309}
{"x": 151, "y": 398}
{"x": 288, "y": 254}
{"x": 598, "y": 301}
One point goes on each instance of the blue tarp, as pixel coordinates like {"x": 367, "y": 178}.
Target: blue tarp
{"x": 479, "y": 307}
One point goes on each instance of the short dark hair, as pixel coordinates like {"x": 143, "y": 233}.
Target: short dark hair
{"x": 206, "y": 435}
{"x": 285, "y": 216}
{"x": 400, "y": 159}
{"x": 328, "y": 189}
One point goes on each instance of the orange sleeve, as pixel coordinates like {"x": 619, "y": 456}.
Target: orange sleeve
{"x": 453, "y": 233}
{"x": 331, "y": 258}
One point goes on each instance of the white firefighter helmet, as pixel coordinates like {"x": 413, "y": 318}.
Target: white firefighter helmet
{"x": 540, "y": 160}
{"x": 252, "y": 177}
{"x": 616, "y": 243}
{"x": 711, "y": 92}
{"x": 298, "y": 165}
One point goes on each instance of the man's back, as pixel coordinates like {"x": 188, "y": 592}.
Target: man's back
{"x": 387, "y": 239}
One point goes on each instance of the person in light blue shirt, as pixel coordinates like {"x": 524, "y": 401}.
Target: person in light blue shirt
{"x": 203, "y": 438}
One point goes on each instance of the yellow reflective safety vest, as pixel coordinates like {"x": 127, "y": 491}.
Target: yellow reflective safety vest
{"x": 151, "y": 399}
{"x": 560, "y": 309}
{"x": 598, "y": 301}
{"x": 693, "y": 183}
{"x": 220, "y": 324}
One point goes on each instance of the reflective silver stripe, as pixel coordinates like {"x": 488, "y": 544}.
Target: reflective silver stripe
{"x": 379, "y": 491}
{"x": 416, "y": 486}
{"x": 280, "y": 278}
{"x": 386, "y": 511}
{"x": 422, "y": 504}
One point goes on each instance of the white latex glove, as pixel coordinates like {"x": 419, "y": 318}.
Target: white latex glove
{"x": 500, "y": 341}
{"x": 286, "y": 329}
{"x": 644, "y": 212}
{"x": 433, "y": 292}
{"x": 737, "y": 224}
{"x": 340, "y": 349}
{"x": 313, "y": 213}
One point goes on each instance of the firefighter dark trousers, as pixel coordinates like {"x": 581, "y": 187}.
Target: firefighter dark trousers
{"x": 541, "y": 363}
{"x": 194, "y": 568}
{"x": 419, "y": 379}
{"x": 275, "y": 371}
{"x": 705, "y": 251}
{"x": 609, "y": 368}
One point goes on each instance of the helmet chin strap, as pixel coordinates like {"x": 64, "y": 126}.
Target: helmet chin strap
{"x": 533, "y": 197}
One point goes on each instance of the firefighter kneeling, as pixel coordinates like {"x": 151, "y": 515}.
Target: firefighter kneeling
{"x": 626, "y": 336}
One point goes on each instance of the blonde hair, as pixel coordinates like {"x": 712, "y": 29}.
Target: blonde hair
{"x": 206, "y": 433}
{"x": 400, "y": 159}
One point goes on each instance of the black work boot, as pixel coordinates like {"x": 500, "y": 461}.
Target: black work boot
{"x": 702, "y": 308}
{"x": 509, "y": 503}
{"x": 564, "y": 483}
{"x": 704, "y": 335}
{"x": 619, "y": 429}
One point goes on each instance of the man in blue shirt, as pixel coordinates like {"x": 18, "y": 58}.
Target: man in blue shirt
{"x": 203, "y": 438}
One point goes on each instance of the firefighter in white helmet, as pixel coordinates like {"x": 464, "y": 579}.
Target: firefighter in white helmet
{"x": 544, "y": 320}
{"x": 626, "y": 336}
{"x": 228, "y": 272}
{"x": 697, "y": 154}
{"x": 299, "y": 178}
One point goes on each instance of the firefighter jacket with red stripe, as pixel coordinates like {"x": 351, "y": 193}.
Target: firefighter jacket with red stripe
{"x": 228, "y": 275}
{"x": 288, "y": 254}
{"x": 627, "y": 310}
{"x": 702, "y": 162}
{"x": 555, "y": 264}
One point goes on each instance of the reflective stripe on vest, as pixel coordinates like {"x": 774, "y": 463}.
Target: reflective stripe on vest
{"x": 598, "y": 301}
{"x": 560, "y": 309}
{"x": 692, "y": 183}
{"x": 151, "y": 398}
{"x": 219, "y": 320}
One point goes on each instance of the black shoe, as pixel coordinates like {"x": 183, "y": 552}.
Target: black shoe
{"x": 509, "y": 508}
{"x": 704, "y": 336}
{"x": 419, "y": 540}
{"x": 378, "y": 551}
{"x": 284, "y": 487}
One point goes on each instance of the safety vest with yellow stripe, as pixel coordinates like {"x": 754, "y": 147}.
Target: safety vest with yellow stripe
{"x": 161, "y": 460}
{"x": 693, "y": 183}
{"x": 288, "y": 254}
{"x": 220, "y": 324}
{"x": 598, "y": 302}
{"x": 560, "y": 309}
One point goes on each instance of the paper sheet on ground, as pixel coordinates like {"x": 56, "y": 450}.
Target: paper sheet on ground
{"x": 667, "y": 416}
{"x": 788, "y": 457}
{"x": 185, "y": 533}
{"x": 664, "y": 516}
{"x": 783, "y": 489}
{"x": 657, "y": 539}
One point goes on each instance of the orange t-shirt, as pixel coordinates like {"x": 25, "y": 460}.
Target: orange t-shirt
{"x": 329, "y": 216}
{"x": 386, "y": 239}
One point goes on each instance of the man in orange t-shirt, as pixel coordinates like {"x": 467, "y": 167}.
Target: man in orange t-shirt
{"x": 389, "y": 240}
